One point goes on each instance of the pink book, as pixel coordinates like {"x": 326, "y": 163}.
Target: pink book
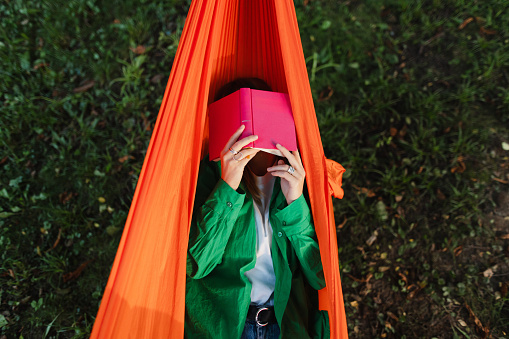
{"x": 266, "y": 114}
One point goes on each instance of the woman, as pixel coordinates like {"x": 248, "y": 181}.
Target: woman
{"x": 253, "y": 265}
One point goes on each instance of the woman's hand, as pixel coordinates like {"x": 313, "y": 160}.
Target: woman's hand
{"x": 232, "y": 165}
{"x": 291, "y": 184}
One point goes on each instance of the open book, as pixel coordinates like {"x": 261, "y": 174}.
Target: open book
{"x": 266, "y": 114}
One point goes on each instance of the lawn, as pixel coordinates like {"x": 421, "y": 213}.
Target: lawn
{"x": 412, "y": 98}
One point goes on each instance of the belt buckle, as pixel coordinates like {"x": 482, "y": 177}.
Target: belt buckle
{"x": 257, "y": 313}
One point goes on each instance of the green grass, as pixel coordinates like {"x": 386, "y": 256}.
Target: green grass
{"x": 413, "y": 106}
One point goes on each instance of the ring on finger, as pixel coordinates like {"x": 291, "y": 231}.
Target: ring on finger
{"x": 236, "y": 155}
{"x": 291, "y": 170}
{"x": 233, "y": 151}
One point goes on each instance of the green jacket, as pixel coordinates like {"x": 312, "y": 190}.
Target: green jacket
{"x": 222, "y": 247}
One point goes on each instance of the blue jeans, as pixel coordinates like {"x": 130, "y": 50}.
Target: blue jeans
{"x": 254, "y": 331}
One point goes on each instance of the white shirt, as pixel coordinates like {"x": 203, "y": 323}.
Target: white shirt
{"x": 262, "y": 276}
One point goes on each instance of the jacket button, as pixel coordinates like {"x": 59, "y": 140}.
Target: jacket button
{"x": 229, "y": 204}
{"x": 280, "y": 234}
{"x": 284, "y": 223}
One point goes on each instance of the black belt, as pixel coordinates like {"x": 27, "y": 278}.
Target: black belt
{"x": 261, "y": 315}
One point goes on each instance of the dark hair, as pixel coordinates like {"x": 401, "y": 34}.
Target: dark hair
{"x": 254, "y": 83}
{"x": 235, "y": 85}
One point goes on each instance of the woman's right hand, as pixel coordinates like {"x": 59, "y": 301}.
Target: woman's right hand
{"x": 231, "y": 169}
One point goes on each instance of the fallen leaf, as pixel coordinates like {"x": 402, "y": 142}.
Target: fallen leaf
{"x": 488, "y": 273}
{"x": 87, "y": 85}
{"x": 403, "y": 277}
{"x": 477, "y": 321}
{"x": 413, "y": 292}
{"x": 392, "y": 315}
{"x": 39, "y": 65}
{"x": 77, "y": 272}
{"x": 65, "y": 197}
{"x": 140, "y": 49}
{"x": 461, "y": 167}
{"x": 487, "y": 31}
{"x": 465, "y": 22}
{"x": 505, "y": 146}
{"x": 326, "y": 94}
{"x": 124, "y": 158}
{"x": 340, "y": 226}
{"x": 501, "y": 181}
{"x": 370, "y": 193}
{"x": 56, "y": 241}
{"x": 372, "y": 238}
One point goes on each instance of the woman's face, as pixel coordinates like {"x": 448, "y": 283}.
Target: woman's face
{"x": 260, "y": 162}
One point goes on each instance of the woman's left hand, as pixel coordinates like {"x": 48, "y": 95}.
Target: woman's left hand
{"x": 291, "y": 184}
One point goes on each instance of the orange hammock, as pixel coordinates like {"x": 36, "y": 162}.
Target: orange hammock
{"x": 222, "y": 40}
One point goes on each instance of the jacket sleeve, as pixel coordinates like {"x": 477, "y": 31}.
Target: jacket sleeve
{"x": 297, "y": 225}
{"x": 215, "y": 211}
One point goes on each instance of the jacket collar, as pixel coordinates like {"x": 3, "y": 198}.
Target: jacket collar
{"x": 277, "y": 200}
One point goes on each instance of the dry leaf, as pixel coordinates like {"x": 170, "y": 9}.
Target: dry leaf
{"x": 39, "y": 65}
{"x": 140, "y": 49}
{"x": 392, "y": 315}
{"x": 372, "y": 238}
{"x": 124, "y": 158}
{"x": 326, "y": 94}
{"x": 365, "y": 190}
{"x": 477, "y": 321}
{"x": 342, "y": 224}
{"x": 56, "y": 241}
{"x": 461, "y": 167}
{"x": 87, "y": 85}
{"x": 466, "y": 22}
{"x": 77, "y": 272}
{"x": 487, "y": 31}
{"x": 501, "y": 181}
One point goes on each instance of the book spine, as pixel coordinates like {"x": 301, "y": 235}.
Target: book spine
{"x": 246, "y": 113}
